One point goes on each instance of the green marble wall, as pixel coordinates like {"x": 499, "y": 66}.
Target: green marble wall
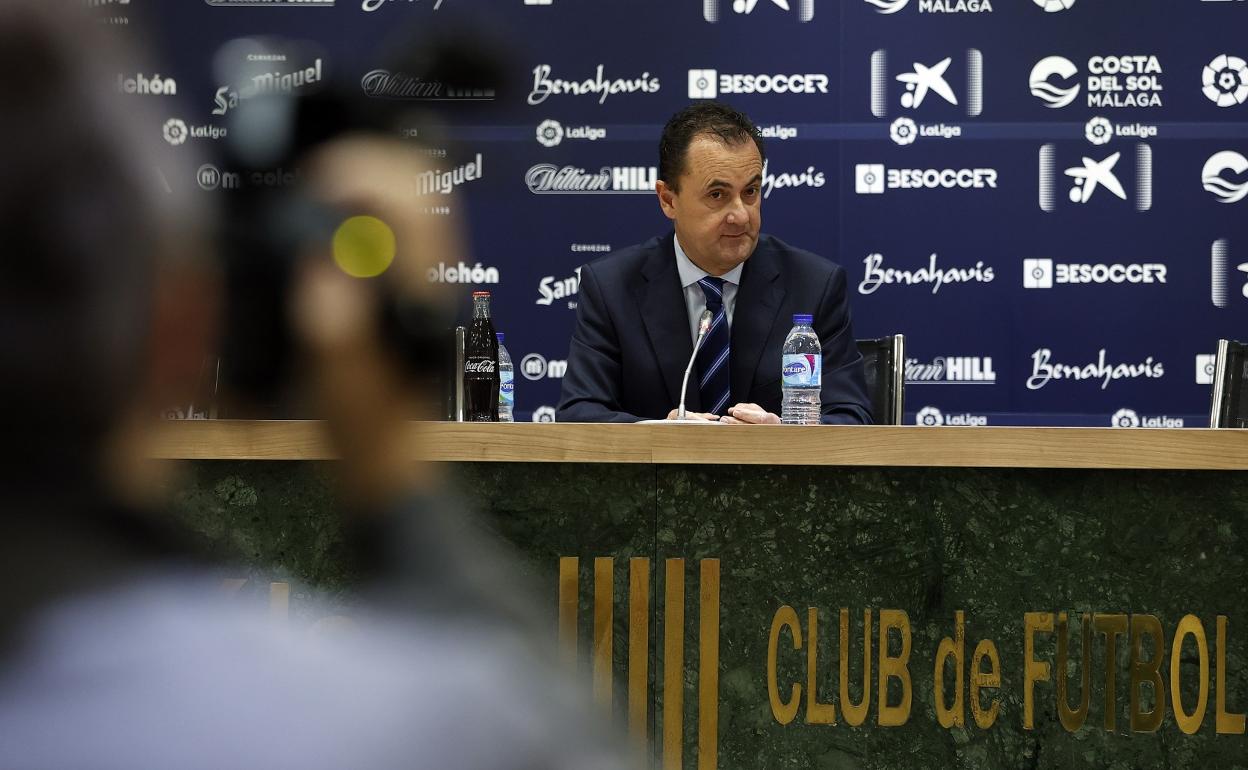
{"x": 992, "y": 543}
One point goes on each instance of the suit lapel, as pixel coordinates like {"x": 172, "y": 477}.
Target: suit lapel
{"x": 663, "y": 311}
{"x": 758, "y": 302}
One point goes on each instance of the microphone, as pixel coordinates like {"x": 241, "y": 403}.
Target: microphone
{"x": 704, "y": 326}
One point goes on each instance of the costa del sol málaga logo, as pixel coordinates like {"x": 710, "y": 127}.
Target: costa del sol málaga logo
{"x": 1214, "y": 182}
{"x": 1042, "y": 86}
{"x": 1053, "y": 6}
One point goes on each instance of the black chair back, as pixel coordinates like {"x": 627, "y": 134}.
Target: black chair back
{"x": 1228, "y": 406}
{"x": 884, "y": 360}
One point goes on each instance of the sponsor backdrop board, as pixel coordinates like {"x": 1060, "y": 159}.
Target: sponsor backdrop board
{"x": 1047, "y": 197}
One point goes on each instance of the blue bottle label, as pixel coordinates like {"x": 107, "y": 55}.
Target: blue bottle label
{"x": 803, "y": 370}
{"x": 507, "y": 389}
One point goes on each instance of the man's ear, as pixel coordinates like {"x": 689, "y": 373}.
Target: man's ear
{"x": 667, "y": 199}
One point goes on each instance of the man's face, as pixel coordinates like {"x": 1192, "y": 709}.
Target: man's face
{"x": 718, "y": 209}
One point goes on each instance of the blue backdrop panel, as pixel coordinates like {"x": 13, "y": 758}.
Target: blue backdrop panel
{"x": 1052, "y": 214}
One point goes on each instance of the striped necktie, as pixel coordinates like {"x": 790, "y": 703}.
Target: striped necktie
{"x": 713, "y": 355}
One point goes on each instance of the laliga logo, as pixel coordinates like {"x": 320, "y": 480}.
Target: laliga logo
{"x": 544, "y": 414}
{"x": 1129, "y": 418}
{"x": 929, "y": 417}
{"x": 1125, "y": 418}
{"x": 1226, "y": 81}
{"x": 1054, "y": 6}
{"x": 1099, "y": 131}
{"x": 549, "y": 133}
{"x": 903, "y": 131}
{"x": 1053, "y": 96}
{"x": 1225, "y": 191}
{"x": 175, "y": 131}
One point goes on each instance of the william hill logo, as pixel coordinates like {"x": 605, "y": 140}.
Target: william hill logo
{"x": 951, "y": 370}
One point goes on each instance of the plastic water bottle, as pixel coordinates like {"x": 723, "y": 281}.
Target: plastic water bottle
{"x": 506, "y": 383}
{"x": 802, "y": 374}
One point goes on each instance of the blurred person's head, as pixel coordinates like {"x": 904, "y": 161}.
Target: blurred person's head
{"x": 367, "y": 315}
{"x": 87, "y": 323}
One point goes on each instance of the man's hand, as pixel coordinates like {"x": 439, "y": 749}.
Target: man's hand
{"x": 750, "y": 414}
{"x": 699, "y": 416}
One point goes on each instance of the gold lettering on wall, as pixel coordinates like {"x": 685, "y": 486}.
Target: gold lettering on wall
{"x": 1033, "y": 670}
{"x": 894, "y": 667}
{"x": 604, "y": 628}
{"x": 816, "y": 713}
{"x": 985, "y": 680}
{"x": 638, "y": 649}
{"x": 1073, "y": 719}
{"x": 568, "y": 598}
{"x": 708, "y": 665}
{"x": 955, "y": 715}
{"x": 783, "y": 711}
{"x": 1225, "y": 722}
{"x": 855, "y": 713}
{"x": 673, "y": 664}
{"x": 1147, "y": 671}
{"x": 1112, "y": 626}
{"x": 1191, "y": 626}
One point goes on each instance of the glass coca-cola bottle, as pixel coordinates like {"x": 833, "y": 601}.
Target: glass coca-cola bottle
{"x": 481, "y": 376}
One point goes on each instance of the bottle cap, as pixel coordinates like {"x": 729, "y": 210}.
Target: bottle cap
{"x": 802, "y": 319}
{"x": 499, "y": 335}
{"x": 480, "y": 294}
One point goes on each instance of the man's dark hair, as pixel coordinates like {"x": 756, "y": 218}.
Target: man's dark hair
{"x": 708, "y": 118}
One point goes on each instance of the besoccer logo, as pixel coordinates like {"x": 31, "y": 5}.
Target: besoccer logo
{"x": 929, "y": 417}
{"x": 869, "y": 179}
{"x": 1042, "y": 87}
{"x": 1206, "y": 363}
{"x": 1226, "y": 81}
{"x": 1125, "y": 418}
{"x": 1221, "y": 188}
{"x": 549, "y": 133}
{"x": 703, "y": 84}
{"x": 175, "y": 131}
{"x": 1053, "y": 6}
{"x": 1037, "y": 274}
{"x": 903, "y": 131}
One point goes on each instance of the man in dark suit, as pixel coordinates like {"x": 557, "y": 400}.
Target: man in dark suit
{"x": 639, "y": 308}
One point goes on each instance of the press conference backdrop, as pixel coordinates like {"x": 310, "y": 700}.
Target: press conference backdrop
{"x": 1049, "y": 198}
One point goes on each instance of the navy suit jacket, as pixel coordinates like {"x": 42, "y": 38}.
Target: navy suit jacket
{"x": 632, "y": 338}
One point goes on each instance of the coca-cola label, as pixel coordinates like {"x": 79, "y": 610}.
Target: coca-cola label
{"x": 483, "y": 366}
